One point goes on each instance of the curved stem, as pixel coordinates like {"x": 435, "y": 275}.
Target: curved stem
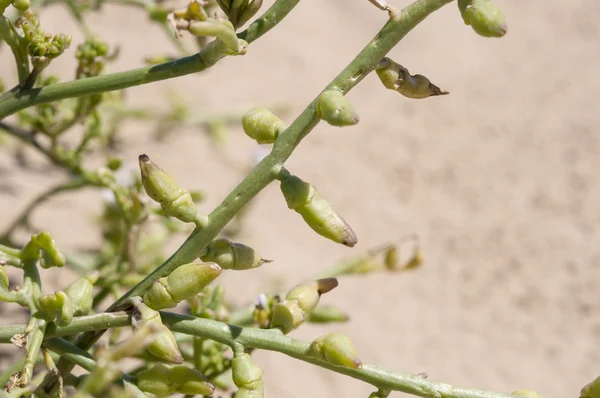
{"x": 16, "y": 99}
{"x": 399, "y": 24}
{"x": 271, "y": 340}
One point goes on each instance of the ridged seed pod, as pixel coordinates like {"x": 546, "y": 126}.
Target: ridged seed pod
{"x": 397, "y": 78}
{"x": 484, "y": 16}
{"x": 231, "y": 255}
{"x": 526, "y": 394}
{"x": 155, "y": 380}
{"x": 336, "y": 349}
{"x": 318, "y": 213}
{"x": 164, "y": 345}
{"x": 307, "y": 294}
{"x": 186, "y": 380}
{"x": 81, "y": 293}
{"x": 262, "y": 125}
{"x": 247, "y": 376}
{"x": 58, "y": 306}
{"x": 337, "y": 110}
{"x": 287, "y": 316}
{"x": 161, "y": 187}
{"x": 185, "y": 282}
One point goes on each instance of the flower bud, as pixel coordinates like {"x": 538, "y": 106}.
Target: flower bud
{"x": 336, "y": 349}
{"x": 307, "y": 294}
{"x": 262, "y": 125}
{"x": 526, "y": 394}
{"x": 484, "y": 16}
{"x": 591, "y": 390}
{"x": 58, "y": 306}
{"x": 81, "y": 293}
{"x": 185, "y": 282}
{"x": 318, "y": 213}
{"x": 245, "y": 372}
{"x": 396, "y": 77}
{"x": 235, "y": 256}
{"x": 336, "y": 109}
{"x": 326, "y": 314}
{"x": 164, "y": 345}
{"x": 287, "y": 315}
{"x": 161, "y": 187}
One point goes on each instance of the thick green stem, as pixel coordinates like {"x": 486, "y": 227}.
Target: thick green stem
{"x": 267, "y": 170}
{"x": 16, "y": 99}
{"x": 274, "y": 340}
{"x": 10, "y": 36}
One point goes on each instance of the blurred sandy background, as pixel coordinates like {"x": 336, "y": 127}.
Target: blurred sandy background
{"x": 498, "y": 180}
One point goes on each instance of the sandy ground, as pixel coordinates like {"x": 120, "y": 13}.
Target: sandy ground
{"x": 497, "y": 179}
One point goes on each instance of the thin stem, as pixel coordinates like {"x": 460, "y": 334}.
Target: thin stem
{"x": 71, "y": 352}
{"x": 267, "y": 170}
{"x": 11, "y": 37}
{"x": 274, "y": 340}
{"x": 16, "y": 99}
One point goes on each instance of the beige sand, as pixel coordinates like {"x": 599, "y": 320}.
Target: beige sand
{"x": 497, "y": 178}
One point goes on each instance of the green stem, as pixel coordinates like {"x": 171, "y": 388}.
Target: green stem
{"x": 267, "y": 170}
{"x": 273, "y": 340}
{"x": 34, "y": 343}
{"x": 11, "y": 37}
{"x": 16, "y": 99}
{"x": 71, "y": 352}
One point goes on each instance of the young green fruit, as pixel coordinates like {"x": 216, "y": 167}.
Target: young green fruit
{"x": 246, "y": 374}
{"x": 185, "y": 282}
{"x": 286, "y": 316}
{"x": 397, "y": 78}
{"x": 230, "y": 255}
{"x": 318, "y": 213}
{"x": 161, "y": 187}
{"x": 58, "y": 305}
{"x": 262, "y": 125}
{"x": 336, "y": 349}
{"x": 484, "y": 16}
{"x": 164, "y": 345}
{"x": 307, "y": 294}
{"x": 81, "y": 293}
{"x": 336, "y": 109}
{"x": 591, "y": 390}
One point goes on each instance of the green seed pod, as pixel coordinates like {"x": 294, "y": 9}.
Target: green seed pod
{"x": 484, "y": 16}
{"x": 307, "y": 294}
{"x": 186, "y": 380}
{"x": 220, "y": 28}
{"x": 81, "y": 293}
{"x": 336, "y": 109}
{"x": 396, "y": 77}
{"x": 58, "y": 306}
{"x": 164, "y": 345}
{"x": 155, "y": 380}
{"x": 185, "y": 282}
{"x": 336, "y": 349}
{"x": 287, "y": 316}
{"x": 262, "y": 125}
{"x": 189, "y": 279}
{"x": 318, "y": 213}
{"x": 161, "y": 187}
{"x": 591, "y": 390}
{"x": 230, "y": 255}
{"x": 21, "y": 5}
{"x": 253, "y": 390}
{"x": 4, "y": 282}
{"x": 245, "y": 372}
{"x": 526, "y": 394}
{"x": 326, "y": 314}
